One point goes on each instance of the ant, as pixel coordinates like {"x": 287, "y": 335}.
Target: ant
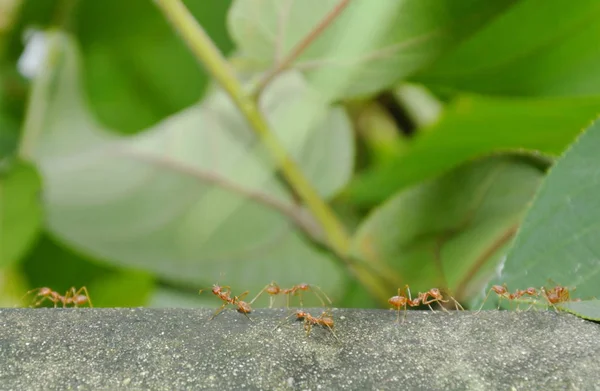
{"x": 224, "y": 293}
{"x": 72, "y": 296}
{"x": 399, "y": 301}
{"x": 500, "y": 290}
{"x": 423, "y": 298}
{"x": 503, "y": 293}
{"x": 273, "y": 290}
{"x": 436, "y": 296}
{"x": 325, "y": 320}
{"x": 558, "y": 294}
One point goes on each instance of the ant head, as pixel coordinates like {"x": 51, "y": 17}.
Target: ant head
{"x": 500, "y": 289}
{"x": 398, "y": 301}
{"x": 435, "y": 293}
{"x": 301, "y": 314}
{"x": 303, "y": 287}
{"x": 216, "y": 289}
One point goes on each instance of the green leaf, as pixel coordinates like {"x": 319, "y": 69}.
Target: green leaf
{"x": 8, "y": 135}
{"x": 138, "y": 70}
{"x": 555, "y": 53}
{"x": 20, "y": 210}
{"x": 558, "y": 238}
{"x": 586, "y": 309}
{"x": 195, "y": 197}
{"x": 476, "y": 126}
{"x": 123, "y": 288}
{"x": 369, "y": 47}
{"x": 172, "y": 298}
{"x": 450, "y": 231}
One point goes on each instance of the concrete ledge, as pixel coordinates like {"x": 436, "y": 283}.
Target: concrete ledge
{"x": 176, "y": 349}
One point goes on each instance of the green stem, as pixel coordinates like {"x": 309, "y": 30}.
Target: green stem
{"x": 205, "y": 50}
{"x": 209, "y": 55}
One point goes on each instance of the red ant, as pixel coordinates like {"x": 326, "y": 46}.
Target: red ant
{"x": 224, "y": 293}
{"x": 558, "y": 294}
{"x": 502, "y": 292}
{"x": 436, "y": 296}
{"x": 324, "y": 320}
{"x": 273, "y": 290}
{"x": 72, "y": 296}
{"x": 423, "y": 298}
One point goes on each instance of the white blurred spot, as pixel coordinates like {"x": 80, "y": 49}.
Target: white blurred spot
{"x": 33, "y": 56}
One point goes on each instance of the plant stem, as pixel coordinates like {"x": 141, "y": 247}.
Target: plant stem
{"x": 205, "y": 51}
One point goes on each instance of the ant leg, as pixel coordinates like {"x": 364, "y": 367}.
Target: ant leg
{"x": 249, "y": 318}
{"x": 30, "y": 292}
{"x": 407, "y": 290}
{"x": 307, "y": 326}
{"x": 457, "y": 305}
{"x": 43, "y": 299}
{"x": 442, "y": 306}
{"x": 217, "y": 312}
{"x": 484, "y": 301}
{"x": 398, "y": 309}
{"x": 85, "y": 292}
{"x": 333, "y": 332}
{"x": 240, "y": 297}
{"x": 284, "y": 319}
{"x": 321, "y": 292}
{"x": 260, "y": 293}
{"x": 69, "y": 296}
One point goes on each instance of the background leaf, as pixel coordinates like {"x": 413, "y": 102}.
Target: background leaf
{"x": 475, "y": 126}
{"x": 370, "y": 46}
{"x": 557, "y": 242}
{"x": 20, "y": 210}
{"x": 162, "y": 200}
{"x": 453, "y": 230}
{"x": 554, "y": 54}
{"x": 138, "y": 70}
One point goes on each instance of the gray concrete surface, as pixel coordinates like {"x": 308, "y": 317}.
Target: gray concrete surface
{"x": 179, "y": 349}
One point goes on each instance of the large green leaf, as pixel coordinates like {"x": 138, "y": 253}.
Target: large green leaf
{"x": 538, "y": 47}
{"x": 20, "y": 210}
{"x": 370, "y": 46}
{"x": 559, "y": 237}
{"x": 474, "y": 126}
{"x": 452, "y": 230}
{"x": 138, "y": 70}
{"x": 195, "y": 196}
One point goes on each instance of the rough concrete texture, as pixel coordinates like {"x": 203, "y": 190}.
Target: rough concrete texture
{"x": 178, "y": 349}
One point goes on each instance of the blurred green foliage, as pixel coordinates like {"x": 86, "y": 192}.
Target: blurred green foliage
{"x": 428, "y": 125}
